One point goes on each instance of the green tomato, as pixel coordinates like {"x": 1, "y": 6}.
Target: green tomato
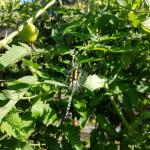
{"x": 29, "y": 33}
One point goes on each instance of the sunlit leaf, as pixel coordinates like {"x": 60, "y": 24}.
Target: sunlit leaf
{"x": 136, "y": 23}
{"x": 147, "y": 2}
{"x": 25, "y": 80}
{"x": 31, "y": 64}
{"x": 26, "y": 146}
{"x": 80, "y": 106}
{"x": 3, "y": 96}
{"x": 13, "y": 55}
{"x": 43, "y": 112}
{"x": 122, "y": 2}
{"x": 38, "y": 109}
{"x": 14, "y": 126}
{"x": 94, "y": 82}
{"x": 132, "y": 16}
{"x": 56, "y": 83}
{"x": 14, "y": 97}
{"x": 136, "y": 4}
{"x": 146, "y": 25}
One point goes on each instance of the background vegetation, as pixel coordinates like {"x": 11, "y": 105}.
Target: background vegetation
{"x": 111, "y": 41}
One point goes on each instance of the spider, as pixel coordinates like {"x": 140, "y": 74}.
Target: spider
{"x": 74, "y": 78}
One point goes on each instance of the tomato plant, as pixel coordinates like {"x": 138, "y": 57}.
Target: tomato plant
{"x": 77, "y": 77}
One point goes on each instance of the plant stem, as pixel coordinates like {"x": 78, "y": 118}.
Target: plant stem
{"x": 119, "y": 112}
{"x": 38, "y": 144}
{"x": 9, "y": 38}
{"x": 3, "y": 137}
{"x": 116, "y": 75}
{"x": 114, "y": 103}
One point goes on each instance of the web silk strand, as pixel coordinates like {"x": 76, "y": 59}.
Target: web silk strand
{"x": 72, "y": 87}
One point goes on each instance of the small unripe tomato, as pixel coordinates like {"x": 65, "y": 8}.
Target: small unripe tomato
{"x": 29, "y": 33}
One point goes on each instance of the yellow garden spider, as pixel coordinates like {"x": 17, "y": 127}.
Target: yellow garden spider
{"x": 74, "y": 79}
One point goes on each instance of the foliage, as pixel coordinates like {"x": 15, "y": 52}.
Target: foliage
{"x": 111, "y": 44}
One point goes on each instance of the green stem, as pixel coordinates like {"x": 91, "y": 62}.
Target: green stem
{"x": 6, "y": 40}
{"x": 119, "y": 112}
{"x": 3, "y": 137}
{"x": 115, "y": 76}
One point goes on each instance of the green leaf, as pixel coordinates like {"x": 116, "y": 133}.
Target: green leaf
{"x": 72, "y": 135}
{"x": 42, "y": 111}
{"x": 13, "y": 55}
{"x": 31, "y": 64}
{"x": 13, "y": 144}
{"x": 42, "y": 74}
{"x": 14, "y": 119}
{"x": 125, "y": 49}
{"x": 142, "y": 88}
{"x": 132, "y": 16}
{"x": 6, "y": 127}
{"x": 147, "y": 2}
{"x": 56, "y": 83}
{"x": 14, "y": 97}
{"x": 112, "y": 49}
{"x": 73, "y": 25}
{"x": 61, "y": 49}
{"x": 80, "y": 107}
{"x": 139, "y": 120}
{"x": 57, "y": 68}
{"x": 26, "y": 146}
{"x": 53, "y": 144}
{"x": 24, "y": 80}
{"x": 27, "y": 80}
{"x": 50, "y": 117}
{"x": 3, "y": 96}
{"x": 87, "y": 59}
{"x": 136, "y": 4}
{"x": 136, "y": 23}
{"x": 93, "y": 48}
{"x": 94, "y": 82}
{"x": 109, "y": 38}
{"x": 133, "y": 97}
{"x": 122, "y": 2}
{"x": 146, "y": 25}
{"x": 106, "y": 125}
{"x": 38, "y": 109}
{"x": 14, "y": 126}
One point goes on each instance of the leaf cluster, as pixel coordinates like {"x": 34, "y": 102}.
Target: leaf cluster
{"x": 111, "y": 104}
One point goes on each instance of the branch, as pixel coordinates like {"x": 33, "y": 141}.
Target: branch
{"x": 8, "y": 39}
{"x": 119, "y": 112}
